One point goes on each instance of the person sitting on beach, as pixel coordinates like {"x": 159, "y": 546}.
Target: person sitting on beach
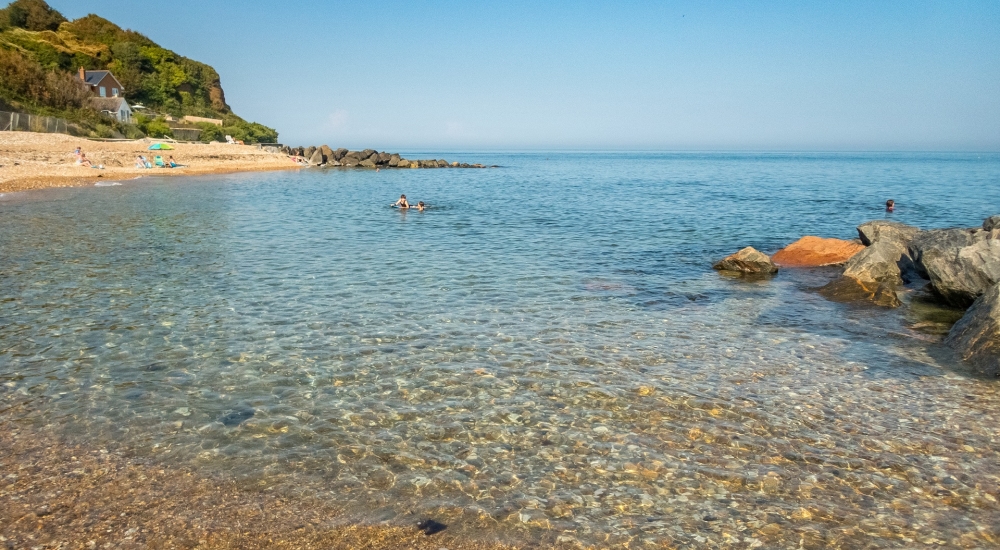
{"x": 890, "y": 205}
{"x": 171, "y": 163}
{"x": 84, "y": 161}
{"x": 76, "y": 153}
{"x": 401, "y": 203}
{"x": 140, "y": 162}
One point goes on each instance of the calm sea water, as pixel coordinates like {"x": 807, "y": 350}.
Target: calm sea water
{"x": 543, "y": 355}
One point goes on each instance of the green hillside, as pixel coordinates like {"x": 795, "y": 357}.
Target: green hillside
{"x": 41, "y": 51}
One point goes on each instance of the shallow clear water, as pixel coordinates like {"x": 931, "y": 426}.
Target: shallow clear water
{"x": 545, "y": 353}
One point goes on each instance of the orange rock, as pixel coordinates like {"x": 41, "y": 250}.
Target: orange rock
{"x": 812, "y": 251}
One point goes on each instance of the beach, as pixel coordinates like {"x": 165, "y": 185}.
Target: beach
{"x": 280, "y": 359}
{"x": 30, "y": 160}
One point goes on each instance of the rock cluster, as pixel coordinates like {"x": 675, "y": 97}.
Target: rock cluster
{"x": 369, "y": 158}
{"x": 961, "y": 266}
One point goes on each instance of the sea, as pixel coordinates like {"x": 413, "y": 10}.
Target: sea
{"x": 543, "y": 356}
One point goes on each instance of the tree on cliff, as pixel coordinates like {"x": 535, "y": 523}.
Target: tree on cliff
{"x": 33, "y": 15}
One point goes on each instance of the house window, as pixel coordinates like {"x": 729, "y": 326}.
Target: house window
{"x": 114, "y": 92}
{"x": 103, "y": 92}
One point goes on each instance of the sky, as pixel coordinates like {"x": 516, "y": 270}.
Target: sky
{"x": 589, "y": 75}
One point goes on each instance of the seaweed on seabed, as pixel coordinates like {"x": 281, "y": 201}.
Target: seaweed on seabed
{"x": 237, "y": 417}
{"x": 431, "y": 527}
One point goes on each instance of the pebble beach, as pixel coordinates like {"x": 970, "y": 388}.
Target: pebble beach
{"x": 30, "y": 160}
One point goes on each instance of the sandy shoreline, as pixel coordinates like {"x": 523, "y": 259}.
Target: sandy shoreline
{"x": 36, "y": 161}
{"x": 58, "y": 495}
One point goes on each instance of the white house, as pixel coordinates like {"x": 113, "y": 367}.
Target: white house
{"x": 116, "y": 107}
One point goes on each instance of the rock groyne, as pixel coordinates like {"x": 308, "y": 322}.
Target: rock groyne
{"x": 324, "y": 155}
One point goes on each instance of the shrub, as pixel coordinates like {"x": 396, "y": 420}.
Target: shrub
{"x": 103, "y": 131}
{"x": 131, "y": 131}
{"x": 210, "y": 132}
{"x": 157, "y": 128}
{"x": 65, "y": 91}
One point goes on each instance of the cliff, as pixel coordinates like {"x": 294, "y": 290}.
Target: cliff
{"x": 40, "y": 52}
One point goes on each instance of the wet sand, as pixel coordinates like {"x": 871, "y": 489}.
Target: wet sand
{"x": 36, "y": 161}
{"x": 59, "y": 495}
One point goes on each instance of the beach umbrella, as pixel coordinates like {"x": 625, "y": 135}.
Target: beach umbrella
{"x": 159, "y": 146}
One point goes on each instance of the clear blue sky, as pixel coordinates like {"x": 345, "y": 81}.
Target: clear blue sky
{"x": 795, "y": 75}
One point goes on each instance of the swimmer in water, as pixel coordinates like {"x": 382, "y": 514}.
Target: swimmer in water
{"x": 401, "y": 203}
{"x": 890, "y": 205}
{"x": 421, "y": 206}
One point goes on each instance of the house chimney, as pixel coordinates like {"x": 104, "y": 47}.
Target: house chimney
{"x": 83, "y": 74}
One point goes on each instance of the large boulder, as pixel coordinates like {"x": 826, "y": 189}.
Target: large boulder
{"x": 748, "y": 260}
{"x": 875, "y": 273}
{"x": 394, "y": 160}
{"x": 872, "y": 231}
{"x": 308, "y": 153}
{"x": 991, "y": 223}
{"x": 317, "y": 158}
{"x": 349, "y": 161}
{"x": 367, "y": 153}
{"x": 383, "y": 159}
{"x": 354, "y": 155}
{"x": 367, "y": 163}
{"x": 885, "y": 261}
{"x": 812, "y": 251}
{"x": 977, "y": 335}
{"x": 339, "y": 154}
{"x": 961, "y": 264}
{"x": 403, "y": 163}
{"x": 327, "y": 152}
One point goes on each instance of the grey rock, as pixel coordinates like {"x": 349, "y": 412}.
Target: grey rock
{"x": 961, "y": 264}
{"x": 403, "y": 163}
{"x": 349, "y": 161}
{"x": 308, "y": 153}
{"x": 367, "y": 153}
{"x": 353, "y": 155}
{"x": 885, "y": 261}
{"x": 367, "y": 163}
{"x": 991, "y": 223}
{"x": 976, "y": 335}
{"x": 317, "y": 158}
{"x": 394, "y": 160}
{"x": 748, "y": 260}
{"x": 872, "y": 231}
{"x": 327, "y": 152}
{"x": 339, "y": 154}
{"x": 383, "y": 159}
